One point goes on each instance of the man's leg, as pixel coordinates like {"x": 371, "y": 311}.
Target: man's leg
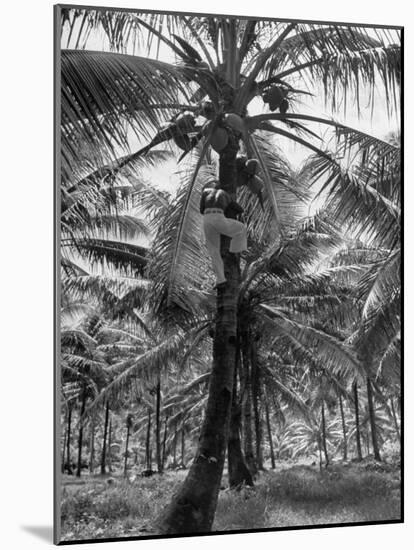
{"x": 213, "y": 246}
{"x": 237, "y": 231}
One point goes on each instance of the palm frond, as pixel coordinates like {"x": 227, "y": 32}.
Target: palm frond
{"x": 338, "y": 356}
{"x": 380, "y": 282}
{"x": 129, "y": 258}
{"x": 115, "y": 87}
{"x": 354, "y": 204}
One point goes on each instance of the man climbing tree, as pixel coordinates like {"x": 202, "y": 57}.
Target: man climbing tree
{"x": 214, "y": 205}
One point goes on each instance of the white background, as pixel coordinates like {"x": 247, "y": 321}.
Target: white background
{"x": 26, "y": 218}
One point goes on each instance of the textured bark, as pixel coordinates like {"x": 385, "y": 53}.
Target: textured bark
{"x": 80, "y": 438}
{"x": 341, "y": 407}
{"x": 324, "y": 445}
{"x": 239, "y": 473}
{"x": 245, "y": 378}
{"x": 372, "y": 421}
{"x": 193, "y": 507}
{"x": 269, "y": 434}
{"x": 357, "y": 426}
{"x": 103, "y": 456}
{"x": 256, "y": 406}
{"x": 158, "y": 428}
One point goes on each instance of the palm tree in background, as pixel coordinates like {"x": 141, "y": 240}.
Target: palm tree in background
{"x": 222, "y": 65}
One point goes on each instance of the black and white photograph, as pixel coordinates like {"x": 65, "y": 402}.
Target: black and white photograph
{"x": 228, "y": 196}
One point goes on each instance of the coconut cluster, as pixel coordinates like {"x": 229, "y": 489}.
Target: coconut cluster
{"x": 276, "y": 97}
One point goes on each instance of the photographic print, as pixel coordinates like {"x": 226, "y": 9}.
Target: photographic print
{"x": 228, "y": 291}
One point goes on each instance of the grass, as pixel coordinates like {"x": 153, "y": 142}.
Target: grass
{"x": 288, "y": 497}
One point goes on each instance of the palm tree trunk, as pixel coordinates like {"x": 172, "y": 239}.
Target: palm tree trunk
{"x": 325, "y": 449}
{"x": 246, "y": 403}
{"x": 92, "y": 446}
{"x": 394, "y": 416}
{"x": 175, "y": 445}
{"x": 69, "y": 467}
{"x": 126, "y": 451}
{"x": 372, "y": 421}
{"x": 158, "y": 427}
{"x": 183, "y": 445}
{"x": 256, "y": 398}
{"x": 62, "y": 467}
{"x": 164, "y": 442}
{"x": 109, "y": 446}
{"x": 80, "y": 439}
{"x": 357, "y": 426}
{"x": 269, "y": 434}
{"x": 320, "y": 451}
{"x": 341, "y": 407}
{"x": 193, "y": 507}
{"x": 238, "y": 471}
{"x": 105, "y": 435}
{"x": 148, "y": 443}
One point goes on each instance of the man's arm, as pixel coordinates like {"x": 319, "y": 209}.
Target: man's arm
{"x": 235, "y": 206}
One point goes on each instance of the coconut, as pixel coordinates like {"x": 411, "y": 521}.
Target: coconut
{"x": 219, "y": 139}
{"x": 185, "y": 122}
{"x": 235, "y": 122}
{"x": 284, "y": 106}
{"x": 241, "y": 162}
{"x": 207, "y": 110}
{"x": 255, "y": 185}
{"x": 274, "y": 96}
{"x": 242, "y": 178}
{"x": 251, "y": 166}
{"x": 183, "y": 142}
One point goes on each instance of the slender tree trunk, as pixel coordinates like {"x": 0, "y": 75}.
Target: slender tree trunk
{"x": 80, "y": 439}
{"x": 183, "y": 445}
{"x": 148, "y": 442}
{"x": 372, "y": 421}
{"x": 175, "y": 445}
{"x": 239, "y": 473}
{"x": 394, "y": 417}
{"x": 320, "y": 451}
{"x": 325, "y": 448}
{"x": 256, "y": 398}
{"x": 110, "y": 446}
{"x": 158, "y": 427}
{"x": 193, "y": 507}
{"x": 341, "y": 407}
{"x": 126, "y": 450}
{"x": 357, "y": 426}
{"x": 68, "y": 457}
{"x": 62, "y": 467}
{"x": 105, "y": 435}
{"x": 92, "y": 446}
{"x": 245, "y": 383}
{"x": 164, "y": 442}
{"x": 269, "y": 434}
